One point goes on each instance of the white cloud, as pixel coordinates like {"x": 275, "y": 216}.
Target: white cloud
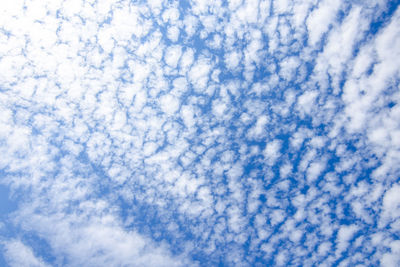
{"x": 320, "y": 19}
{"x": 169, "y": 104}
{"x": 17, "y": 254}
{"x": 391, "y": 205}
{"x": 272, "y": 151}
{"x": 199, "y": 74}
{"x": 233, "y": 59}
{"x": 289, "y": 67}
{"x": 258, "y": 130}
{"x": 306, "y": 102}
{"x": 392, "y": 258}
{"x": 173, "y": 55}
{"x": 103, "y": 118}
{"x": 314, "y": 170}
{"x": 188, "y": 115}
{"x": 173, "y": 33}
{"x": 345, "y": 234}
{"x": 187, "y": 59}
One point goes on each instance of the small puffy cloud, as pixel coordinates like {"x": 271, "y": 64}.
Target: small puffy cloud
{"x": 320, "y": 19}
{"x": 306, "y": 102}
{"x": 258, "y": 130}
{"x": 345, "y": 234}
{"x": 172, "y": 56}
{"x": 391, "y": 205}
{"x": 233, "y": 60}
{"x": 173, "y": 33}
{"x": 199, "y": 73}
{"x": 314, "y": 170}
{"x": 169, "y": 104}
{"x": 272, "y": 151}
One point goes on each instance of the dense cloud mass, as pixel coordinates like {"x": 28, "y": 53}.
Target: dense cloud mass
{"x": 201, "y": 133}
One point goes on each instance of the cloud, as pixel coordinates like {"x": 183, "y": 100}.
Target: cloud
{"x": 391, "y": 205}
{"x": 320, "y": 19}
{"x": 180, "y": 134}
{"x": 17, "y": 253}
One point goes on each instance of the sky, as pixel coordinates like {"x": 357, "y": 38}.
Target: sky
{"x": 199, "y": 133}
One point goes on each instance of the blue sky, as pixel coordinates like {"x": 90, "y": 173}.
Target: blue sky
{"x": 199, "y": 133}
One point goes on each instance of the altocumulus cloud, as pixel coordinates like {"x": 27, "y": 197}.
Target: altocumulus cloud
{"x": 200, "y": 133}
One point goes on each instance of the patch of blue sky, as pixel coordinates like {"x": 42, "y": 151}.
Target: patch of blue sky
{"x": 6, "y": 204}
